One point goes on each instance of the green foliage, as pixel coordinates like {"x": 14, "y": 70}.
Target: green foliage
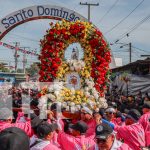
{"x": 33, "y": 70}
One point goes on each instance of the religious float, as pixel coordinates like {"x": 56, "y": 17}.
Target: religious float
{"x": 74, "y": 82}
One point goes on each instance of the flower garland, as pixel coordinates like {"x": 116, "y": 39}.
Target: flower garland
{"x": 96, "y": 52}
{"x": 87, "y": 94}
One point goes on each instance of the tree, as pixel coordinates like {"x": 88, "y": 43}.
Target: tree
{"x": 33, "y": 70}
{"x": 3, "y": 68}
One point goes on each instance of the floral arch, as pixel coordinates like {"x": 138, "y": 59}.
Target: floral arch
{"x": 93, "y": 69}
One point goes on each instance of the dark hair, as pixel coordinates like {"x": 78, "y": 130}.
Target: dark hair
{"x": 14, "y": 139}
{"x": 45, "y": 128}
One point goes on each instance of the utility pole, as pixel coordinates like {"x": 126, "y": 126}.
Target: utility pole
{"x": 16, "y": 55}
{"x": 130, "y": 52}
{"x": 24, "y": 60}
{"x": 89, "y": 7}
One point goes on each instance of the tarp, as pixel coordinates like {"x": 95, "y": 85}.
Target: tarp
{"x": 137, "y": 83}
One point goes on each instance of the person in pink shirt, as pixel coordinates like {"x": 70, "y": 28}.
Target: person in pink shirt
{"x": 133, "y": 133}
{"x": 45, "y": 134}
{"x": 87, "y": 117}
{"x": 106, "y": 140}
{"x": 57, "y": 115}
{"x": 6, "y": 122}
{"x": 111, "y": 116}
{"x": 77, "y": 139}
{"x": 145, "y": 122}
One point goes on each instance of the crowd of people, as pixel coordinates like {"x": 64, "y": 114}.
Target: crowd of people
{"x": 123, "y": 125}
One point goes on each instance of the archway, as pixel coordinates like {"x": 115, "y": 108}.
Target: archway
{"x": 34, "y": 13}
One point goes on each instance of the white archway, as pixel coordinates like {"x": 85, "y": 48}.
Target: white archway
{"x": 34, "y": 13}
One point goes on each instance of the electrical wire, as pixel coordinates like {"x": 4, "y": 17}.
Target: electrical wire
{"x": 133, "y": 28}
{"x": 140, "y": 49}
{"x": 123, "y": 18}
{"x": 102, "y": 18}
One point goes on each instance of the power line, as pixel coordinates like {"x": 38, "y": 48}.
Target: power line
{"x": 124, "y": 18}
{"x": 140, "y": 49}
{"x": 133, "y": 28}
{"x": 114, "y": 4}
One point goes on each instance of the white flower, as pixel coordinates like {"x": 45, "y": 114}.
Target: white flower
{"x": 90, "y": 86}
{"x": 72, "y": 68}
{"x": 87, "y": 94}
{"x": 52, "y": 97}
{"x": 83, "y": 104}
{"x": 82, "y": 90}
{"x": 68, "y": 103}
{"x": 102, "y": 99}
{"x": 78, "y": 107}
{"x": 82, "y": 63}
{"x": 91, "y": 97}
{"x": 86, "y": 80}
{"x": 64, "y": 104}
{"x": 42, "y": 102}
{"x": 72, "y": 104}
{"x": 96, "y": 96}
{"x": 105, "y": 105}
{"x": 72, "y": 109}
{"x": 73, "y": 91}
{"x": 57, "y": 93}
{"x": 86, "y": 89}
{"x": 67, "y": 108}
{"x": 77, "y": 68}
{"x": 50, "y": 88}
{"x": 90, "y": 102}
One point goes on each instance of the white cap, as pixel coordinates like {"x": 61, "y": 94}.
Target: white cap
{"x": 87, "y": 110}
{"x": 110, "y": 110}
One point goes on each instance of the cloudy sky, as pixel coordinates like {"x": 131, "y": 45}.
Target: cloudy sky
{"x": 115, "y": 18}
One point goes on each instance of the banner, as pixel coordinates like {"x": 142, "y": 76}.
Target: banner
{"x": 18, "y": 49}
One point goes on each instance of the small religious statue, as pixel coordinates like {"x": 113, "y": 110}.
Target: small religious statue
{"x": 75, "y": 54}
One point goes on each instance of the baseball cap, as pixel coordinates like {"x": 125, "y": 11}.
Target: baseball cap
{"x": 146, "y": 105}
{"x": 79, "y": 126}
{"x": 14, "y": 139}
{"x": 87, "y": 110}
{"x": 103, "y": 131}
{"x": 134, "y": 114}
{"x": 45, "y": 128}
{"x": 5, "y": 113}
{"x": 110, "y": 109}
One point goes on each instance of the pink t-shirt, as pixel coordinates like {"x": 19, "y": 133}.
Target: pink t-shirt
{"x": 24, "y": 126}
{"x": 91, "y": 128}
{"x": 133, "y": 135}
{"x": 145, "y": 122}
{"x": 69, "y": 142}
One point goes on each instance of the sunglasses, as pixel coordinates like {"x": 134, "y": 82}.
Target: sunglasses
{"x": 111, "y": 113}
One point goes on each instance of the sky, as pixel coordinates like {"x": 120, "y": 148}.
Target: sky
{"x": 105, "y": 16}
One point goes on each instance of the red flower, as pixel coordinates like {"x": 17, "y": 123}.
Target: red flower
{"x": 94, "y": 43}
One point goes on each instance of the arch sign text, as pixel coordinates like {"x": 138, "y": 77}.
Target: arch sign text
{"x": 36, "y": 12}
